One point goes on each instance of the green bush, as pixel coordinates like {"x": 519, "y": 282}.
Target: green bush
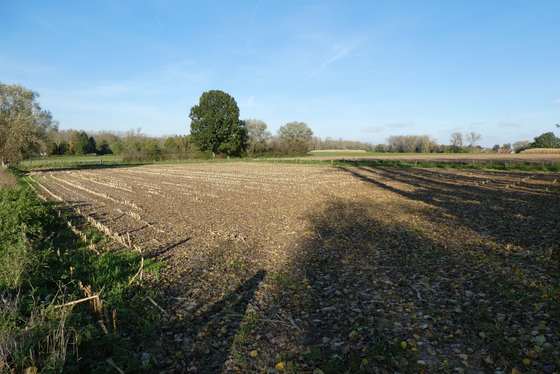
{"x": 24, "y": 226}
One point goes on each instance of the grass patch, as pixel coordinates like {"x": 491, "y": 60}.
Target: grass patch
{"x": 60, "y": 162}
{"x": 108, "y": 161}
{"x": 43, "y": 265}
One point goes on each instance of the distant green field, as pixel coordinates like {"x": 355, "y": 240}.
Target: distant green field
{"x": 58, "y": 162}
{"x": 462, "y": 161}
{"x": 357, "y": 153}
{"x": 94, "y": 161}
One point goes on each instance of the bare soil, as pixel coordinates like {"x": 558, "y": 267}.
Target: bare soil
{"x": 310, "y": 269}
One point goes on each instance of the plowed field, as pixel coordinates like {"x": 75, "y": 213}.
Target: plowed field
{"x": 314, "y": 269}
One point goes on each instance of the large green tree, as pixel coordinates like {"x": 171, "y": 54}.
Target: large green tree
{"x": 546, "y": 140}
{"x": 215, "y": 124}
{"x": 80, "y": 143}
{"x": 23, "y": 124}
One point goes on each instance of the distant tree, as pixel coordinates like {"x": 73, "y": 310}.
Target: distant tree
{"x": 295, "y": 137}
{"x": 153, "y": 149}
{"x": 380, "y": 148}
{"x": 117, "y": 147}
{"x": 91, "y": 146}
{"x": 330, "y": 143}
{"x": 215, "y": 124}
{"x": 180, "y": 147}
{"x": 520, "y": 146}
{"x": 52, "y": 148}
{"x": 111, "y": 140}
{"x": 456, "y": 140}
{"x": 473, "y": 138}
{"x": 258, "y": 136}
{"x": 104, "y": 148}
{"x": 496, "y": 148}
{"x": 79, "y": 143}
{"x": 411, "y": 143}
{"x": 23, "y": 124}
{"x": 139, "y": 147}
{"x": 506, "y": 148}
{"x": 546, "y": 140}
{"x": 63, "y": 148}
{"x": 173, "y": 145}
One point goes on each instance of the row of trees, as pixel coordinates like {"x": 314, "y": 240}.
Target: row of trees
{"x": 216, "y": 130}
{"x": 132, "y": 145}
{"x": 546, "y": 140}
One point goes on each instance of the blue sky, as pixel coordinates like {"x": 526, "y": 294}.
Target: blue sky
{"x": 359, "y": 70}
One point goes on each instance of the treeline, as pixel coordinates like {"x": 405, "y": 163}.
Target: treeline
{"x": 27, "y": 130}
{"x": 458, "y": 143}
{"x": 318, "y": 143}
{"x": 132, "y": 145}
{"x": 294, "y": 138}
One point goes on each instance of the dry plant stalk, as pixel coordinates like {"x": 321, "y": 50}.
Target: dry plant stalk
{"x": 156, "y": 305}
{"x": 79, "y": 301}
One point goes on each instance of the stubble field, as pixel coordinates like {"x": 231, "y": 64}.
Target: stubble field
{"x": 291, "y": 268}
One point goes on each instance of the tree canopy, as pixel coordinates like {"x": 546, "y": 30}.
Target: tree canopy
{"x": 215, "y": 124}
{"x": 296, "y": 137}
{"x": 546, "y": 140}
{"x": 23, "y": 123}
{"x": 258, "y": 136}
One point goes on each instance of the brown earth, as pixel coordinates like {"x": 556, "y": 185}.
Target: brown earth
{"x": 290, "y": 268}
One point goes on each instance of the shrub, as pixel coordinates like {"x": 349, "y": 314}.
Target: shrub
{"x": 23, "y": 221}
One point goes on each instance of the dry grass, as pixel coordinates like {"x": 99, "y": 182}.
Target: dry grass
{"x": 6, "y": 179}
{"x": 319, "y": 151}
{"x": 549, "y": 151}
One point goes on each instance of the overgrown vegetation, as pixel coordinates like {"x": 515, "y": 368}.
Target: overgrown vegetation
{"x": 44, "y": 268}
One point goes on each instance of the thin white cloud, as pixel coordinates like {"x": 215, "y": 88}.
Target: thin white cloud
{"x": 337, "y": 52}
{"x": 340, "y": 52}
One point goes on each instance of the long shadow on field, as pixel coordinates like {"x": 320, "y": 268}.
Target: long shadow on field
{"x": 206, "y": 339}
{"x": 524, "y": 215}
{"x": 375, "y": 296}
{"x": 163, "y": 252}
